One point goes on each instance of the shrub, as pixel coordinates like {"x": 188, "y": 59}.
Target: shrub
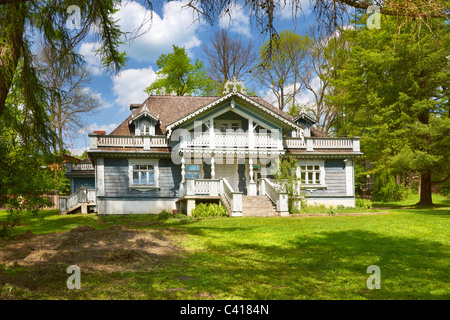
{"x": 363, "y": 203}
{"x": 203, "y": 210}
{"x": 164, "y": 215}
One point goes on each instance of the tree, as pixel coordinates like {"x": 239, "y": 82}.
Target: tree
{"x": 178, "y": 76}
{"x": 21, "y": 20}
{"x": 397, "y": 97}
{"x": 67, "y": 99}
{"x": 281, "y": 71}
{"x": 288, "y": 181}
{"x": 228, "y": 58}
{"x": 25, "y": 174}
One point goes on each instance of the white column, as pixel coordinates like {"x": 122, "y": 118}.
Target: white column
{"x": 250, "y": 168}
{"x": 349, "y": 178}
{"x": 183, "y": 169}
{"x": 100, "y": 181}
{"x": 213, "y": 167}
{"x": 251, "y": 135}
{"x": 251, "y": 186}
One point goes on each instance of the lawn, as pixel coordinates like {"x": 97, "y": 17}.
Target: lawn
{"x": 318, "y": 257}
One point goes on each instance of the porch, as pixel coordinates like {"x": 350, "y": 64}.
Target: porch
{"x": 199, "y": 190}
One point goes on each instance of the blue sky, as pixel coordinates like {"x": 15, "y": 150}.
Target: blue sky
{"x": 171, "y": 25}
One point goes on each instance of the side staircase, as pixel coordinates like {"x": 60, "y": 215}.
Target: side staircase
{"x": 258, "y": 206}
{"x": 82, "y": 200}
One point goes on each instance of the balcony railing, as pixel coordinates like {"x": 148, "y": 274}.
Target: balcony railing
{"x": 145, "y": 142}
{"x": 231, "y": 140}
{"x": 313, "y": 143}
{"x": 82, "y": 167}
{"x": 227, "y": 140}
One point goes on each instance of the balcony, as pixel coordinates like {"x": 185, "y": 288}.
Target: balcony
{"x": 317, "y": 144}
{"x": 144, "y": 142}
{"x": 232, "y": 140}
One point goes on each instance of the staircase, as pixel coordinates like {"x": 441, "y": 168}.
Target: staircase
{"x": 81, "y": 200}
{"x": 258, "y": 206}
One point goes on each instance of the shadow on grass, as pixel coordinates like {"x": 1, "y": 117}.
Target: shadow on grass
{"x": 329, "y": 265}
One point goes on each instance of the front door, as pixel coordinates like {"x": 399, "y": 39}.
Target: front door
{"x": 242, "y": 184}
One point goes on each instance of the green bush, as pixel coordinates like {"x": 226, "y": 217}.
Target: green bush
{"x": 164, "y": 215}
{"x": 385, "y": 189}
{"x": 203, "y": 210}
{"x": 363, "y": 203}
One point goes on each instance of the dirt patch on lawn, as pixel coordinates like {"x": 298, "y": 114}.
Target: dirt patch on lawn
{"x": 114, "y": 249}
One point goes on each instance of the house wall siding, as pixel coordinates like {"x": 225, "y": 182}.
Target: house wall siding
{"x": 117, "y": 180}
{"x": 86, "y": 183}
{"x": 334, "y": 180}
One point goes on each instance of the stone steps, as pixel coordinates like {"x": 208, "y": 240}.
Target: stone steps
{"x": 258, "y": 206}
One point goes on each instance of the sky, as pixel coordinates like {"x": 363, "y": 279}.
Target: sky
{"x": 172, "y": 24}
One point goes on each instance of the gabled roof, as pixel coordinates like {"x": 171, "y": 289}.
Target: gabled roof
{"x": 170, "y": 109}
{"x": 143, "y": 113}
{"x": 254, "y": 101}
{"x": 304, "y": 116}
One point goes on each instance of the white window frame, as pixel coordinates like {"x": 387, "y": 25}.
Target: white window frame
{"x": 134, "y": 162}
{"x": 321, "y": 171}
{"x": 228, "y": 123}
{"x": 200, "y": 170}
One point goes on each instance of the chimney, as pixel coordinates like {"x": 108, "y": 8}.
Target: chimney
{"x": 100, "y": 132}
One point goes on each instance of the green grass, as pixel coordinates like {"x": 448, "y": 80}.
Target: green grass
{"x": 322, "y": 257}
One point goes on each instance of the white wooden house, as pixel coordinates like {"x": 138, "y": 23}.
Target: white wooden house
{"x": 174, "y": 151}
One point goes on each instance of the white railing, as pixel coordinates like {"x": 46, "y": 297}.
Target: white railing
{"x": 266, "y": 140}
{"x": 82, "y": 167}
{"x": 145, "y": 142}
{"x": 206, "y": 187}
{"x": 234, "y": 198}
{"x": 120, "y": 141}
{"x": 295, "y": 143}
{"x": 213, "y": 187}
{"x": 336, "y": 143}
{"x": 277, "y": 196}
{"x": 312, "y": 143}
{"x": 231, "y": 140}
{"x": 83, "y": 196}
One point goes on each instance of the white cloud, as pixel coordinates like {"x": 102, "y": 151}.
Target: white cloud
{"x": 289, "y": 10}
{"x": 103, "y": 104}
{"x": 93, "y": 62}
{"x": 129, "y": 85}
{"x": 176, "y": 26}
{"x": 236, "y": 20}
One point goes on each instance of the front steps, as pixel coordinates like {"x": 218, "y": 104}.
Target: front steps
{"x": 258, "y": 206}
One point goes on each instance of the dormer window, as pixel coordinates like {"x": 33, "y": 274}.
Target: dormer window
{"x": 146, "y": 127}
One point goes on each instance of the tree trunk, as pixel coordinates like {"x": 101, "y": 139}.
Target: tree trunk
{"x": 425, "y": 189}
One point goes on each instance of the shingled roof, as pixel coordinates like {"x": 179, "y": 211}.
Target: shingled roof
{"x": 168, "y": 109}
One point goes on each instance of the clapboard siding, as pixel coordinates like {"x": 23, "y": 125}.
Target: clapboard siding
{"x": 334, "y": 179}
{"x": 117, "y": 180}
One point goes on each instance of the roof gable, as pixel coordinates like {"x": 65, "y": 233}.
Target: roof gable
{"x": 255, "y": 102}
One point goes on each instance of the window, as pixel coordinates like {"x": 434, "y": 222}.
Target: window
{"x": 311, "y": 173}
{"x": 227, "y": 125}
{"x": 146, "y": 127}
{"x": 193, "y": 171}
{"x": 143, "y": 173}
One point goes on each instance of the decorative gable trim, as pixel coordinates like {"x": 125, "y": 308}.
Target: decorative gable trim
{"x": 199, "y": 111}
{"x": 144, "y": 113}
